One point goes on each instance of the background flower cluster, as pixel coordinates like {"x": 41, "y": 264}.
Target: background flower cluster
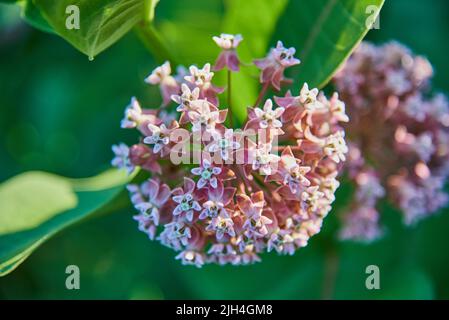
{"x": 399, "y": 137}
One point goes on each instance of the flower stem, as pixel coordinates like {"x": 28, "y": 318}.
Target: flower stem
{"x": 261, "y": 94}
{"x": 239, "y": 171}
{"x": 153, "y": 41}
{"x": 332, "y": 262}
{"x": 260, "y": 182}
{"x": 231, "y": 120}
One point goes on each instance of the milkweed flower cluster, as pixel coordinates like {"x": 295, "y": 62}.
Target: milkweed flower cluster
{"x": 399, "y": 137}
{"x": 224, "y": 195}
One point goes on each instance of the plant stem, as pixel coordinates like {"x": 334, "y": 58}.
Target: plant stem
{"x": 239, "y": 172}
{"x": 153, "y": 41}
{"x": 148, "y": 9}
{"x": 231, "y": 117}
{"x": 332, "y": 262}
{"x": 294, "y": 148}
{"x": 261, "y": 94}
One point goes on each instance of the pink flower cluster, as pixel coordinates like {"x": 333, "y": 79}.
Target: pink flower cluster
{"x": 267, "y": 187}
{"x": 399, "y": 137}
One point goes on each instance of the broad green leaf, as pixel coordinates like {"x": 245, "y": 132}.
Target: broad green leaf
{"x": 36, "y": 205}
{"x": 34, "y": 17}
{"x": 256, "y": 21}
{"x": 324, "y": 32}
{"x": 102, "y": 22}
{"x": 33, "y": 190}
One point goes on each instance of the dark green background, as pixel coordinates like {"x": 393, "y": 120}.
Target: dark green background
{"x": 60, "y": 113}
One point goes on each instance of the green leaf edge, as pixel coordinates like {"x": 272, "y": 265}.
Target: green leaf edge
{"x": 326, "y": 80}
{"x": 82, "y": 184}
{"x": 41, "y": 21}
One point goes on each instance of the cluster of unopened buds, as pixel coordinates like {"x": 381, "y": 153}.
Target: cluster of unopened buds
{"x": 222, "y": 195}
{"x": 399, "y": 137}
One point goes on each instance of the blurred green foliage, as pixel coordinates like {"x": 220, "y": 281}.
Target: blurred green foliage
{"x": 57, "y": 113}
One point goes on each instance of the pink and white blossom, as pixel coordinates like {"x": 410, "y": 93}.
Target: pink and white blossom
{"x": 228, "y": 56}
{"x": 160, "y": 137}
{"x": 245, "y": 193}
{"x": 269, "y": 117}
{"x": 121, "y": 159}
{"x": 207, "y": 173}
{"x": 224, "y": 144}
{"x": 185, "y": 200}
{"x": 168, "y": 85}
{"x": 275, "y": 63}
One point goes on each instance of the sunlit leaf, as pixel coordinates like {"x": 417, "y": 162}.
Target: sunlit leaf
{"x": 36, "y": 205}
{"x": 102, "y": 22}
{"x": 34, "y": 17}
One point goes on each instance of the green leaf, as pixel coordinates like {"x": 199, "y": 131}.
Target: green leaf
{"x": 149, "y": 8}
{"x": 324, "y": 32}
{"x": 102, "y": 22}
{"x": 36, "y": 205}
{"x": 256, "y": 21}
{"x": 34, "y": 17}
